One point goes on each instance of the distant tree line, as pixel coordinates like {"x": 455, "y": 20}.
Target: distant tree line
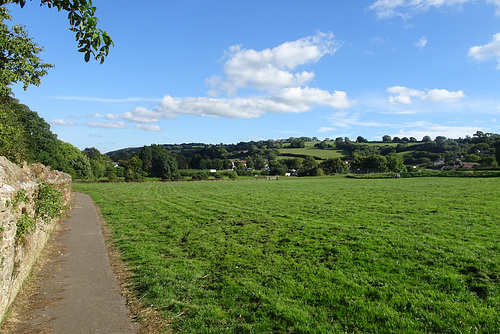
{"x": 359, "y": 156}
{"x": 481, "y": 148}
{"x": 24, "y": 136}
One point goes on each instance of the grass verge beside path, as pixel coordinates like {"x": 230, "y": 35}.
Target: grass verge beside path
{"x": 312, "y": 255}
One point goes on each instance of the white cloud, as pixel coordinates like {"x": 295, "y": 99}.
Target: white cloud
{"x": 345, "y": 120}
{"x": 107, "y": 125}
{"x": 326, "y": 129}
{"x": 421, "y": 129}
{"x": 142, "y": 115}
{"x": 112, "y": 117}
{"x": 272, "y": 69}
{"x": 205, "y": 106}
{"x": 488, "y": 51}
{"x": 62, "y": 122}
{"x": 442, "y": 95}
{"x": 421, "y": 43}
{"x": 401, "y": 112}
{"x": 386, "y": 8}
{"x": 405, "y": 8}
{"x": 304, "y": 98}
{"x": 254, "y": 138}
{"x": 497, "y": 3}
{"x": 404, "y": 95}
{"x": 148, "y": 127}
{"x": 288, "y": 100}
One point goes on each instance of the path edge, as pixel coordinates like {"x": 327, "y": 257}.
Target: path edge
{"x": 150, "y": 320}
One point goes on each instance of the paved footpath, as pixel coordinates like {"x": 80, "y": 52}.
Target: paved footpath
{"x": 75, "y": 290}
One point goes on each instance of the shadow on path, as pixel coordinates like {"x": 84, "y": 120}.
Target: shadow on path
{"x": 72, "y": 289}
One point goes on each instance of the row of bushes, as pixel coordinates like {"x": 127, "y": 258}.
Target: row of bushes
{"x": 184, "y": 175}
{"x": 429, "y": 173}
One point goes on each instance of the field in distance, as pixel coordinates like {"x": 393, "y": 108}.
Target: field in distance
{"x": 312, "y": 255}
{"x": 328, "y": 153}
{"x": 287, "y": 153}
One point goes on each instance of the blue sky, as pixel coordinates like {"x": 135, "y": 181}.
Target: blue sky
{"x": 226, "y": 71}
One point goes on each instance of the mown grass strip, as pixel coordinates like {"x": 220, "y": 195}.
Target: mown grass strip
{"x": 319, "y": 255}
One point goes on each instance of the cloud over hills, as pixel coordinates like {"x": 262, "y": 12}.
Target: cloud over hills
{"x": 271, "y": 75}
{"x": 271, "y": 69}
{"x": 280, "y": 79}
{"x": 404, "y": 95}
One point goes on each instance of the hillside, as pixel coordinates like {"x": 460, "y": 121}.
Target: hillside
{"x": 479, "y": 148}
{"x": 24, "y": 136}
{"x": 307, "y": 157}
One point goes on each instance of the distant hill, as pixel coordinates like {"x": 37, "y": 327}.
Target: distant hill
{"x": 314, "y": 157}
{"x": 482, "y": 147}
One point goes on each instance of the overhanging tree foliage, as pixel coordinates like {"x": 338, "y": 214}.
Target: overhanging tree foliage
{"x": 19, "y": 60}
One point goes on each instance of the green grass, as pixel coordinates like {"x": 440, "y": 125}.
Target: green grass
{"x": 324, "y": 154}
{"x": 312, "y": 151}
{"x": 312, "y": 255}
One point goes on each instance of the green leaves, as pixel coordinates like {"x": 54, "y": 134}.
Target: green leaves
{"x": 81, "y": 15}
{"x": 49, "y": 204}
{"x": 19, "y": 61}
{"x": 50, "y": 201}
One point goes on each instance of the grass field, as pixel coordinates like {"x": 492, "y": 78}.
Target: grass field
{"x": 312, "y": 151}
{"x": 312, "y": 255}
{"x": 324, "y": 154}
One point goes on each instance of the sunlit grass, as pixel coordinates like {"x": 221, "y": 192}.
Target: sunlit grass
{"x": 319, "y": 255}
{"x": 287, "y": 153}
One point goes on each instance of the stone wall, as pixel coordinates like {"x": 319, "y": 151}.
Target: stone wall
{"x": 19, "y": 189}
